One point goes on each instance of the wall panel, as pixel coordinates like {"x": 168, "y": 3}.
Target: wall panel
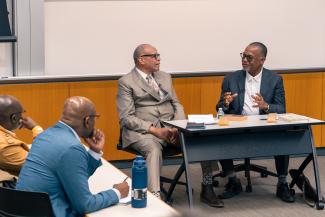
{"x": 323, "y": 111}
{"x": 189, "y": 94}
{"x": 304, "y": 96}
{"x": 210, "y": 93}
{"x": 42, "y": 102}
{"x": 199, "y": 95}
{"x": 103, "y": 95}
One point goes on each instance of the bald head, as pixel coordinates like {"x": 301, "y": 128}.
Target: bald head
{"x": 10, "y": 108}
{"x": 147, "y": 58}
{"x": 140, "y": 50}
{"x": 76, "y": 111}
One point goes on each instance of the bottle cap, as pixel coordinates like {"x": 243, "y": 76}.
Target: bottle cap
{"x": 139, "y": 161}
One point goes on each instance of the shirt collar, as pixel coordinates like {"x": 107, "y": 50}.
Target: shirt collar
{"x": 143, "y": 74}
{"x": 257, "y": 78}
{"x": 73, "y": 131}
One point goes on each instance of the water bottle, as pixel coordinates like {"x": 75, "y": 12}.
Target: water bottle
{"x": 139, "y": 183}
{"x": 220, "y": 113}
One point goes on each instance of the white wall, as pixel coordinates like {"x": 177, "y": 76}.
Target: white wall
{"x": 98, "y": 37}
{"x": 62, "y": 37}
{"x": 5, "y": 60}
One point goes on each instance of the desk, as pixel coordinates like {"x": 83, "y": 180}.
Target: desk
{"x": 104, "y": 178}
{"x": 250, "y": 138}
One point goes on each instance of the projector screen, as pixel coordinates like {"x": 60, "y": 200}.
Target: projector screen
{"x": 98, "y": 37}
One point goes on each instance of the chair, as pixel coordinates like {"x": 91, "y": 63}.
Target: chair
{"x": 173, "y": 182}
{"x": 247, "y": 167}
{"x": 17, "y": 203}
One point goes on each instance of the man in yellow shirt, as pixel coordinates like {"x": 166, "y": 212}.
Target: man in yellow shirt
{"x": 13, "y": 151}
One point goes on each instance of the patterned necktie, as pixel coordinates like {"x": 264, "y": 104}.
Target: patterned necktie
{"x": 152, "y": 83}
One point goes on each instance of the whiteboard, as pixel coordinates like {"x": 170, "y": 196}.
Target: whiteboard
{"x": 98, "y": 37}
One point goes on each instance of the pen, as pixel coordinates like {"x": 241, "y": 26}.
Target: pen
{"x": 125, "y": 179}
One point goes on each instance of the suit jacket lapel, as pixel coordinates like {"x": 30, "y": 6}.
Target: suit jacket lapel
{"x": 241, "y": 88}
{"x": 144, "y": 85}
{"x": 162, "y": 84}
{"x": 264, "y": 81}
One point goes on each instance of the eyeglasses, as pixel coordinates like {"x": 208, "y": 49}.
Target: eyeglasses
{"x": 155, "y": 55}
{"x": 249, "y": 58}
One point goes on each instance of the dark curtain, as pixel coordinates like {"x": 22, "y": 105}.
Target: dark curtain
{"x": 4, "y": 20}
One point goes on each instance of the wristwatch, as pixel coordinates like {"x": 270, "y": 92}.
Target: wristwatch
{"x": 268, "y": 108}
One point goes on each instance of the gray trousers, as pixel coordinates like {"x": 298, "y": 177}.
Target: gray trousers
{"x": 153, "y": 152}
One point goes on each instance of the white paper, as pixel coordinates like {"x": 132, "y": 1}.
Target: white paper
{"x": 290, "y": 117}
{"x": 205, "y": 119}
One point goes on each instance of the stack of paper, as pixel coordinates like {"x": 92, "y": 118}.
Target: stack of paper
{"x": 202, "y": 119}
{"x": 292, "y": 117}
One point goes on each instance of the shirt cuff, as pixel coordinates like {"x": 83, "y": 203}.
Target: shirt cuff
{"x": 95, "y": 155}
{"x": 117, "y": 193}
{"x": 37, "y": 130}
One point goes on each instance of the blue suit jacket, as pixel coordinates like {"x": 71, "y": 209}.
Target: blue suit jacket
{"x": 271, "y": 90}
{"x": 60, "y": 165}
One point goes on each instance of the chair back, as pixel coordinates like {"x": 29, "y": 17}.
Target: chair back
{"x": 17, "y": 203}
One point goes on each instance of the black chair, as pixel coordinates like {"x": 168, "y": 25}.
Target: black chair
{"x": 17, "y": 203}
{"x": 247, "y": 167}
{"x": 172, "y": 181}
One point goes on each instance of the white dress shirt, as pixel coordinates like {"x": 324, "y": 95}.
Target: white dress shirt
{"x": 252, "y": 86}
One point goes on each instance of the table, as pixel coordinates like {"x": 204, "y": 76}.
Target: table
{"x": 104, "y": 178}
{"x": 253, "y": 137}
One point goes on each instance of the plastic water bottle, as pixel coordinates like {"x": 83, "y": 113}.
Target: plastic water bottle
{"x": 139, "y": 183}
{"x": 220, "y": 113}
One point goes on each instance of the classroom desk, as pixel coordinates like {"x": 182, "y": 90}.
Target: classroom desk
{"x": 104, "y": 178}
{"x": 249, "y": 138}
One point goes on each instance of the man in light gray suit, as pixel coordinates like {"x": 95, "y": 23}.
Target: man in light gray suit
{"x": 145, "y": 98}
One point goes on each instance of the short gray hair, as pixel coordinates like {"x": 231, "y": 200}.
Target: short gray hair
{"x": 261, "y": 46}
{"x": 138, "y": 52}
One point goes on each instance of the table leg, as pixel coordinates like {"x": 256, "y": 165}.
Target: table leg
{"x": 319, "y": 202}
{"x": 301, "y": 168}
{"x": 187, "y": 171}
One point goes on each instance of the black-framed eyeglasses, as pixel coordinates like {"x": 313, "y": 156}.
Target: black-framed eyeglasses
{"x": 249, "y": 58}
{"x": 154, "y": 55}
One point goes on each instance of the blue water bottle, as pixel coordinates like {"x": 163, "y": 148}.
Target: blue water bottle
{"x": 139, "y": 183}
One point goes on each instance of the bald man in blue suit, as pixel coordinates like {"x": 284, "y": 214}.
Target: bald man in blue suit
{"x": 60, "y": 165}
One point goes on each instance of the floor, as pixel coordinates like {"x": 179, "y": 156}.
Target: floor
{"x": 261, "y": 202}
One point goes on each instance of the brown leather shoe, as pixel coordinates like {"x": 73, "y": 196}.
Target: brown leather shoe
{"x": 209, "y": 197}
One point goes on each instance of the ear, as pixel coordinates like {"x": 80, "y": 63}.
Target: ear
{"x": 86, "y": 122}
{"x": 140, "y": 60}
{"x": 14, "y": 119}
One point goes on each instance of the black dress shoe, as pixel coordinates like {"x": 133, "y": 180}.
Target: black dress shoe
{"x": 283, "y": 192}
{"x": 233, "y": 187}
{"x": 209, "y": 197}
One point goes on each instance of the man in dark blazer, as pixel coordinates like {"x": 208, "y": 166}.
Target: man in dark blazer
{"x": 252, "y": 91}
{"x": 145, "y": 98}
